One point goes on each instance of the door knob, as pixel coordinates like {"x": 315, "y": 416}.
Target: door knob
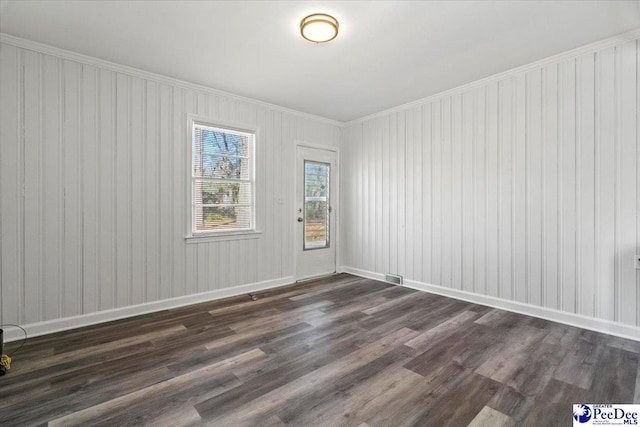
{"x": 300, "y": 219}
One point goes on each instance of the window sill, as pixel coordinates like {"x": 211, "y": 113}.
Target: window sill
{"x": 238, "y": 235}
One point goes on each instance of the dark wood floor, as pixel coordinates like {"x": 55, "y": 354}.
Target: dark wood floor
{"x": 338, "y": 351}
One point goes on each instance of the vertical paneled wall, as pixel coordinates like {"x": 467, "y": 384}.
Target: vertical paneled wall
{"x": 525, "y": 188}
{"x": 93, "y": 178}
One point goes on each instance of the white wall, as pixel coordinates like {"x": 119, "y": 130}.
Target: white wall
{"x": 93, "y": 210}
{"x": 523, "y": 187}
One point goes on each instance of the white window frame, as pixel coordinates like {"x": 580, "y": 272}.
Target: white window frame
{"x": 197, "y": 236}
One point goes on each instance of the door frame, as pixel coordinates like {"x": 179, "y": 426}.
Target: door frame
{"x": 335, "y": 190}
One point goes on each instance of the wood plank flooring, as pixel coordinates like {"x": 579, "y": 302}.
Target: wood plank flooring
{"x": 340, "y": 351}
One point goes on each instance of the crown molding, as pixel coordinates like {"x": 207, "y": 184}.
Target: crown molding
{"x": 147, "y": 75}
{"x": 570, "y": 54}
{"x": 135, "y": 72}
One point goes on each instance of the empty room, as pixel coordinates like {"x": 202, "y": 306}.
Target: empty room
{"x": 305, "y": 213}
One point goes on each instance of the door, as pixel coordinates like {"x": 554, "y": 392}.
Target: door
{"x": 316, "y": 210}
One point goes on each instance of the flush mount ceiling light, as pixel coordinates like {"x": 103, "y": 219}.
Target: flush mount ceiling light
{"x": 319, "y": 28}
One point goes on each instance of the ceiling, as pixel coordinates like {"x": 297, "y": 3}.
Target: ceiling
{"x": 387, "y": 53}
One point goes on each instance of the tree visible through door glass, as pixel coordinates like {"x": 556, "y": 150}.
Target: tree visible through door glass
{"x": 316, "y": 205}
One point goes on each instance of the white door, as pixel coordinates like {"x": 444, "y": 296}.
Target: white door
{"x": 316, "y": 210}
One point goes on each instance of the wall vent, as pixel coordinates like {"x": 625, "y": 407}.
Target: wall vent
{"x": 393, "y": 278}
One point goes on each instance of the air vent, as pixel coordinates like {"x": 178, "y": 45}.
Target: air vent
{"x": 392, "y": 278}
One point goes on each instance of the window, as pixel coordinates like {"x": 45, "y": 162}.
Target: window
{"x": 222, "y": 179}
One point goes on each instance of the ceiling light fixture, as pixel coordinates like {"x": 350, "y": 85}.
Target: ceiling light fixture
{"x": 319, "y": 28}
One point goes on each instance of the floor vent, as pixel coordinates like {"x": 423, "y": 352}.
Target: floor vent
{"x": 392, "y": 278}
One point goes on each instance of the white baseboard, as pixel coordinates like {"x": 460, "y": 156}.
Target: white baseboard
{"x": 12, "y": 333}
{"x": 363, "y": 273}
{"x": 572, "y": 319}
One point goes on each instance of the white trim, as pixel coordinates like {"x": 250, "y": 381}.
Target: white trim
{"x": 316, "y": 276}
{"x": 253, "y": 132}
{"x": 570, "y": 54}
{"x": 363, "y": 273}
{"x": 51, "y": 326}
{"x": 124, "y": 69}
{"x": 57, "y": 325}
{"x": 313, "y": 145}
{"x": 135, "y": 72}
{"x": 222, "y": 236}
{"x": 571, "y": 319}
{"x": 222, "y": 124}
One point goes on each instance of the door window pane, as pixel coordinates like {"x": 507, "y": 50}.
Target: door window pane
{"x": 316, "y": 205}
